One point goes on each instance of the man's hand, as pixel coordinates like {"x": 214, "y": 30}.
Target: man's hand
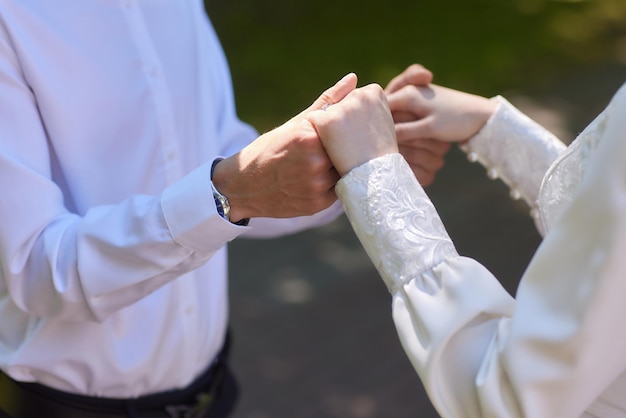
{"x": 425, "y": 157}
{"x": 285, "y": 172}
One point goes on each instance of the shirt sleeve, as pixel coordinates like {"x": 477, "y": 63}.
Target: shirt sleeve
{"x": 479, "y": 352}
{"x": 517, "y": 150}
{"x": 56, "y": 263}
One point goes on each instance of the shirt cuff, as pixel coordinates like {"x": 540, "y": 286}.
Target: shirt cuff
{"x": 191, "y": 215}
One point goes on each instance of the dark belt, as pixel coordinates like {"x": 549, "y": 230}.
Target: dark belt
{"x": 25, "y": 400}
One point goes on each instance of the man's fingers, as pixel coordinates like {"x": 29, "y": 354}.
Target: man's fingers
{"x": 336, "y": 93}
{"x": 423, "y": 157}
{"x": 434, "y": 146}
{"x": 415, "y": 75}
{"x": 424, "y": 177}
{"x": 331, "y": 96}
{"x": 411, "y": 99}
{"x": 399, "y": 117}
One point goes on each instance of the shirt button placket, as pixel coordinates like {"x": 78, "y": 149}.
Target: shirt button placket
{"x": 150, "y": 66}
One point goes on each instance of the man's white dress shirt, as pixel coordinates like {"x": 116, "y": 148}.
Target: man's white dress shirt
{"x": 558, "y": 350}
{"x": 112, "y": 253}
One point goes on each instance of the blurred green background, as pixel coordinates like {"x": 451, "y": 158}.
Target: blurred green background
{"x": 311, "y": 318}
{"x": 283, "y": 53}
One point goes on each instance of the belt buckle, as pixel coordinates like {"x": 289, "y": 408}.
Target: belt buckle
{"x": 203, "y": 401}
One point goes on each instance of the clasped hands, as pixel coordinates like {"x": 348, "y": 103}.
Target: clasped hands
{"x": 292, "y": 170}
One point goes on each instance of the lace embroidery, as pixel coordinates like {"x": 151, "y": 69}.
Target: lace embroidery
{"x": 517, "y": 150}
{"x": 565, "y": 175}
{"x": 396, "y": 222}
{"x": 532, "y": 161}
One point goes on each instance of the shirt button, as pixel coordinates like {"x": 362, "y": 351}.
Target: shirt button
{"x": 127, "y": 3}
{"x": 189, "y": 310}
{"x": 153, "y": 72}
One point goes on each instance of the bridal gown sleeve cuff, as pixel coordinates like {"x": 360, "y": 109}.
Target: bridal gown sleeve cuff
{"x": 394, "y": 219}
{"x": 515, "y": 149}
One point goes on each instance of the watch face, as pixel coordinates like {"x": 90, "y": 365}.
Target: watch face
{"x": 221, "y": 203}
{"x": 225, "y": 208}
{"x": 219, "y": 206}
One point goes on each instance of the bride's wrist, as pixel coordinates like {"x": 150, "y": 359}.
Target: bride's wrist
{"x": 484, "y": 109}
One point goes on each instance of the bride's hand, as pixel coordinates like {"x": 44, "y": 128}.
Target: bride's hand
{"x": 424, "y": 155}
{"x": 414, "y": 74}
{"x": 357, "y": 129}
{"x": 439, "y": 113}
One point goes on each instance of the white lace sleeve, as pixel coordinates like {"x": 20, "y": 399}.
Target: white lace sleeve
{"x": 515, "y": 149}
{"x": 395, "y": 220}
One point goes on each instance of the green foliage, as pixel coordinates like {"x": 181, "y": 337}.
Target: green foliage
{"x": 283, "y": 53}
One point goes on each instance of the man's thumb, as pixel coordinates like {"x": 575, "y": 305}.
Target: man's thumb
{"x": 336, "y": 93}
{"x": 331, "y": 96}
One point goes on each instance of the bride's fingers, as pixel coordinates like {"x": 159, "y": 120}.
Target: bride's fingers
{"x": 415, "y": 75}
{"x": 420, "y": 129}
{"x": 415, "y": 100}
{"x": 357, "y": 129}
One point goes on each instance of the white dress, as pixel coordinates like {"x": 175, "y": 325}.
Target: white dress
{"x": 558, "y": 349}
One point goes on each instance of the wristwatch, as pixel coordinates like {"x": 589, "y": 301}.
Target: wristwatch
{"x": 221, "y": 202}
